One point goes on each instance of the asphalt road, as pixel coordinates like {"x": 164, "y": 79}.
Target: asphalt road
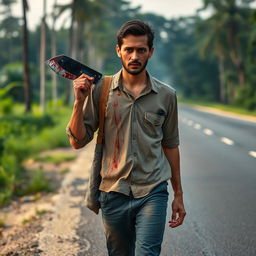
{"x": 218, "y": 166}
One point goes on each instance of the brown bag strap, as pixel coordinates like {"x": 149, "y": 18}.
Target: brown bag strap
{"x": 102, "y": 106}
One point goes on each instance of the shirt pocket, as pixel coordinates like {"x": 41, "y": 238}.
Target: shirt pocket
{"x": 153, "y": 123}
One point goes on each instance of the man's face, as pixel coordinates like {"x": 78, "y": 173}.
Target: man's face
{"x": 134, "y": 53}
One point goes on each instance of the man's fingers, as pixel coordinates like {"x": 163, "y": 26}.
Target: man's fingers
{"x": 81, "y": 85}
{"x": 83, "y": 82}
{"x": 177, "y": 222}
{"x": 174, "y": 214}
{"x": 174, "y": 224}
{"x": 86, "y": 76}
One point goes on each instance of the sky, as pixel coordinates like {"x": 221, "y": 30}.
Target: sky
{"x": 167, "y": 8}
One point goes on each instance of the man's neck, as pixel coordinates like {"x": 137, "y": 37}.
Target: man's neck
{"x": 132, "y": 81}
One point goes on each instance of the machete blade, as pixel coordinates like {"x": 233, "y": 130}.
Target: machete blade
{"x": 70, "y": 68}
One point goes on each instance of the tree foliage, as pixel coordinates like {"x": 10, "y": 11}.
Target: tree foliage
{"x": 204, "y": 58}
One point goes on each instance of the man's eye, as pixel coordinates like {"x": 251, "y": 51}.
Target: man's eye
{"x": 129, "y": 50}
{"x": 141, "y": 50}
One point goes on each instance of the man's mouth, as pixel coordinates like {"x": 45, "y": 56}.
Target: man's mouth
{"x": 134, "y": 64}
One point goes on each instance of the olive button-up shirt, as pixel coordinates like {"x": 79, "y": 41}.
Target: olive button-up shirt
{"x": 135, "y": 130}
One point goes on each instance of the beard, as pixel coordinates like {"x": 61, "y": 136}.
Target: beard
{"x": 136, "y": 72}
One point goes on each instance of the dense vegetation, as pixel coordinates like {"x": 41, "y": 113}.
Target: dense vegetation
{"x": 23, "y": 136}
{"x": 211, "y": 59}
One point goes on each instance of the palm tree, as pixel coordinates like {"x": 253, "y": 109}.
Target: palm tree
{"x": 27, "y": 92}
{"x": 89, "y": 27}
{"x": 214, "y": 38}
{"x": 228, "y": 20}
{"x": 225, "y": 27}
{"x": 42, "y": 59}
{"x": 82, "y": 12}
{"x": 53, "y": 52}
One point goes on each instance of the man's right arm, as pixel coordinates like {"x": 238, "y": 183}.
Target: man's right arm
{"x": 76, "y": 128}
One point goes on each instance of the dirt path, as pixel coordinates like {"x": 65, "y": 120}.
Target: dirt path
{"x": 58, "y": 224}
{"x": 64, "y": 235}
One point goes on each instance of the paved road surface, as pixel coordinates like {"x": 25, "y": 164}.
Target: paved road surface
{"x": 219, "y": 182}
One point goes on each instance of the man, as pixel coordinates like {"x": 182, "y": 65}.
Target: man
{"x": 140, "y": 147}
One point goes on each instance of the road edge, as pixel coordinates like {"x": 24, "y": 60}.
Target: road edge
{"x": 219, "y": 112}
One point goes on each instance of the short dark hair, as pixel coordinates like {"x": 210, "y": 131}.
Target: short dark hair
{"x": 135, "y": 28}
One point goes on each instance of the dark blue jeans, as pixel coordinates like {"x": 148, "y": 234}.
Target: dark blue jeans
{"x": 134, "y": 226}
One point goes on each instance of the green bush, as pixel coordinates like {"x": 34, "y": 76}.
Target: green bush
{"x": 6, "y": 183}
{"x": 37, "y": 182}
{"x": 22, "y": 136}
{"x": 24, "y": 125}
{"x": 11, "y": 164}
{"x": 6, "y": 180}
{"x": 246, "y": 98}
{"x": 6, "y": 106}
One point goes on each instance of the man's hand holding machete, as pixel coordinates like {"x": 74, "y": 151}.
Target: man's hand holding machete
{"x": 82, "y": 86}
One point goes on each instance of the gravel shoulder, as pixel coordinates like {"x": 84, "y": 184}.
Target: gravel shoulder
{"x": 58, "y": 223}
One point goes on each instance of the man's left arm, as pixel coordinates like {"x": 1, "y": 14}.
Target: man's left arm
{"x": 178, "y": 209}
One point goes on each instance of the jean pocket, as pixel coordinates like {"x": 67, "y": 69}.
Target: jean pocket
{"x": 162, "y": 187}
{"x": 103, "y": 197}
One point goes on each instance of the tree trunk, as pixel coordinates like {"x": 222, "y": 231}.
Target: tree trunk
{"x": 241, "y": 76}
{"x": 42, "y": 61}
{"x": 74, "y": 54}
{"x": 222, "y": 81}
{"x": 53, "y": 53}
{"x": 237, "y": 61}
{"x": 235, "y": 53}
{"x": 27, "y": 91}
{"x": 69, "y": 88}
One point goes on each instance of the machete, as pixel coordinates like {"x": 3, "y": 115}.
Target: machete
{"x": 71, "y": 69}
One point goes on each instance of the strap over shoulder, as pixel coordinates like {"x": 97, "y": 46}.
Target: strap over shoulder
{"x": 102, "y": 106}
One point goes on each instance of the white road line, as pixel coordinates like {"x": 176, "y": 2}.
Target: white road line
{"x": 197, "y": 126}
{"x": 190, "y": 122}
{"x": 252, "y": 153}
{"x": 227, "y": 141}
{"x": 208, "y": 132}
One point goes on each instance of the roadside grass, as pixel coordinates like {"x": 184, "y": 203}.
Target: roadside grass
{"x": 64, "y": 171}
{"x": 36, "y": 182}
{"x": 228, "y": 108}
{"x": 40, "y": 212}
{"x": 55, "y": 159}
{"x": 32, "y": 218}
{"x": 2, "y": 223}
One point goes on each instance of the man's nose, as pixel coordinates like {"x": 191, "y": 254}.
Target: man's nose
{"x": 134, "y": 55}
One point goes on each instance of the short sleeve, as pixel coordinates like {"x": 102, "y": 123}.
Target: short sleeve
{"x": 170, "y": 126}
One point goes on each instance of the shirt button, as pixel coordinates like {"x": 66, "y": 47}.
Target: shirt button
{"x": 135, "y": 154}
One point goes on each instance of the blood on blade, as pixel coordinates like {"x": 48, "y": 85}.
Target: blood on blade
{"x": 59, "y": 70}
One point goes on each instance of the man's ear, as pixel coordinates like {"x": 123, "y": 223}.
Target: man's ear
{"x": 151, "y": 52}
{"x": 118, "y": 51}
